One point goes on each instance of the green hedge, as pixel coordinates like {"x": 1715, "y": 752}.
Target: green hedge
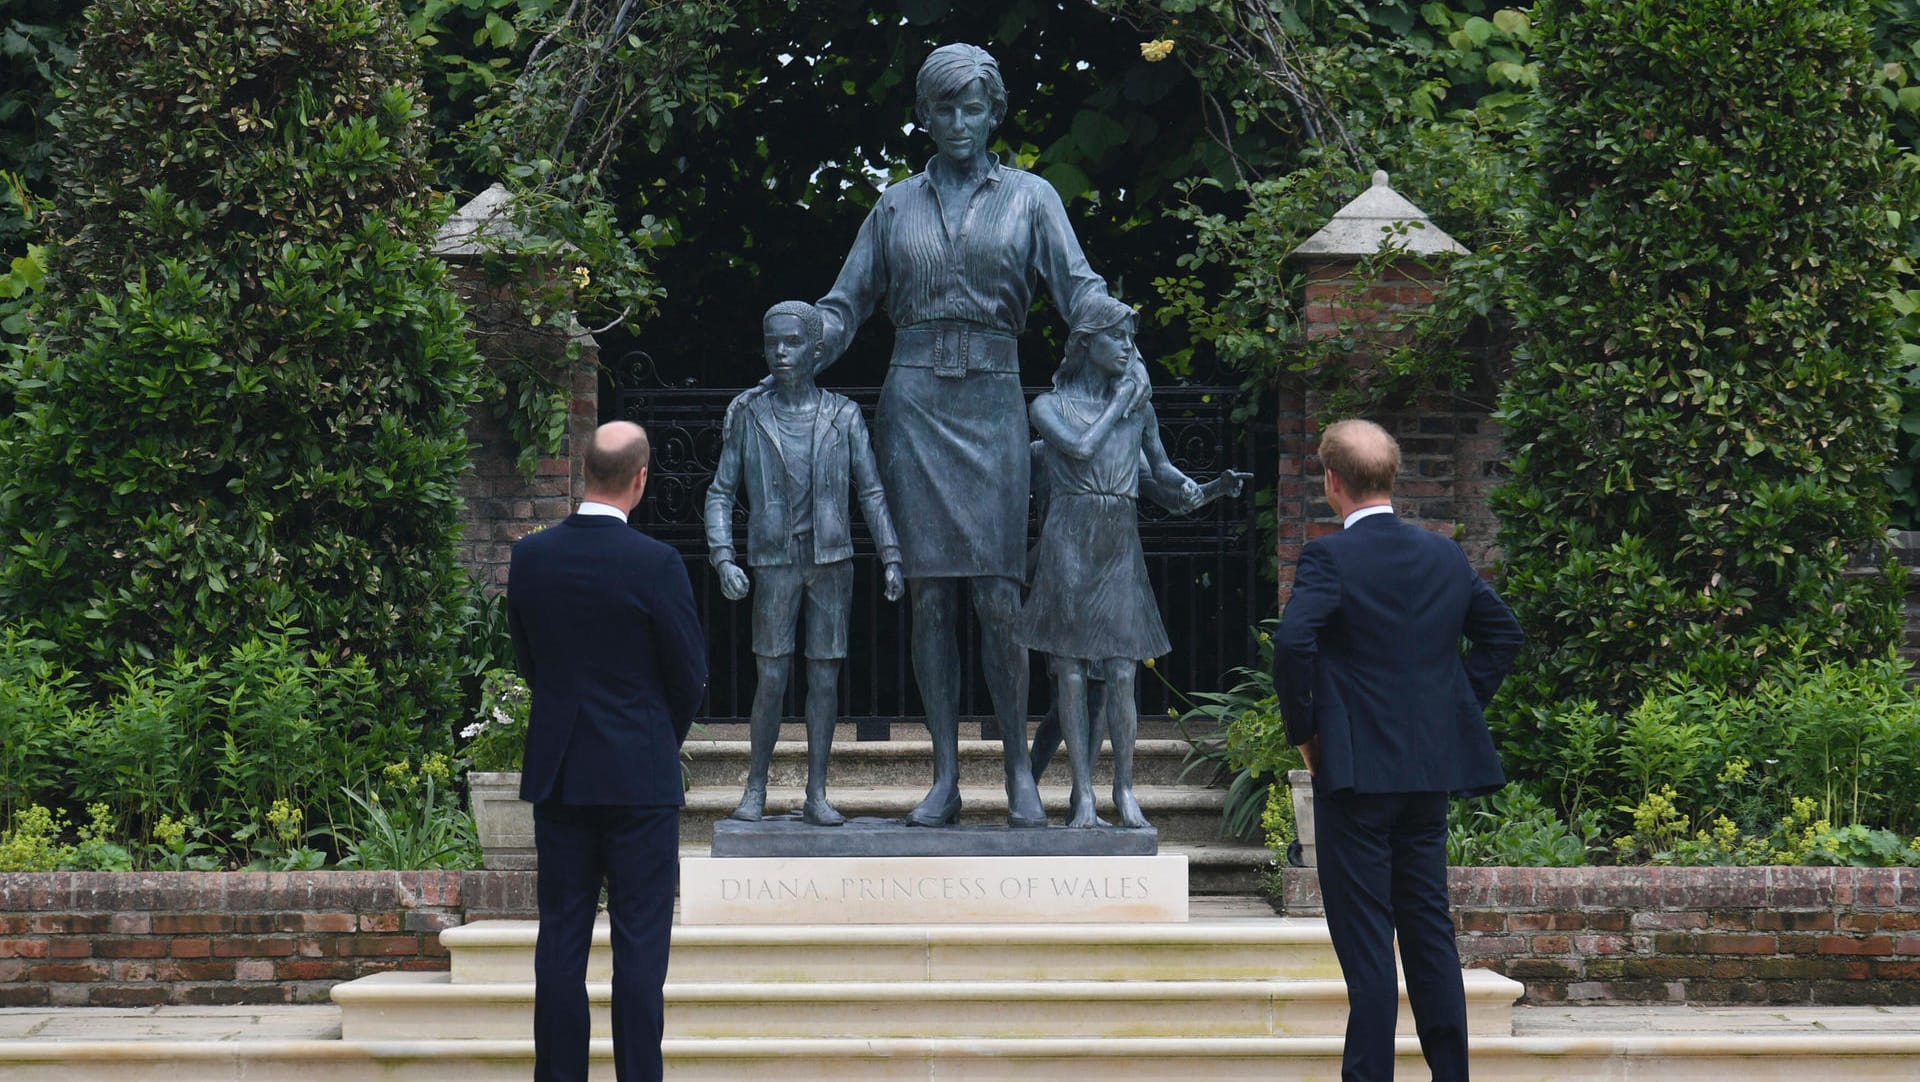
{"x": 1701, "y": 414}
{"x": 244, "y": 410}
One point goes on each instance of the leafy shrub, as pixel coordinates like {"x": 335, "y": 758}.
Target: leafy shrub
{"x": 1515, "y": 828}
{"x": 1845, "y": 739}
{"x": 1239, "y": 733}
{"x": 410, "y": 819}
{"x": 1698, "y": 420}
{"x": 246, "y": 405}
{"x": 497, "y": 739}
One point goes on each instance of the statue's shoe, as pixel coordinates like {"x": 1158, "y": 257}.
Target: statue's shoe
{"x": 752, "y": 806}
{"x": 1023, "y": 803}
{"x": 821, "y": 814}
{"x": 941, "y": 808}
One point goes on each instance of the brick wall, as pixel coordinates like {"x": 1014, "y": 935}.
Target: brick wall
{"x": 502, "y": 504}
{"x": 1449, "y": 447}
{"x": 106, "y": 939}
{"x": 1696, "y": 935}
{"x": 1602, "y": 935}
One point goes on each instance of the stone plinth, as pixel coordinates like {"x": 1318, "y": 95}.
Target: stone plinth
{"x": 933, "y": 890}
{"x": 789, "y": 836}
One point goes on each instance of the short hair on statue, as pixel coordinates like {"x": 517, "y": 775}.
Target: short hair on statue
{"x": 947, "y": 72}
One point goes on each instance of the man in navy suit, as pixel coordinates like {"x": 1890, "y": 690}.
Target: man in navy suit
{"x": 606, "y": 635}
{"x": 1387, "y": 712}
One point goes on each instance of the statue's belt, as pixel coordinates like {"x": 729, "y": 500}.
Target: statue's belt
{"x": 954, "y": 349}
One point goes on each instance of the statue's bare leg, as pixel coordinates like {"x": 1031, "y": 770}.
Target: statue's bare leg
{"x": 823, "y": 711}
{"x": 936, "y": 668}
{"x": 1004, "y": 663}
{"x": 763, "y": 731}
{"x": 1070, "y": 698}
{"x": 1123, "y": 721}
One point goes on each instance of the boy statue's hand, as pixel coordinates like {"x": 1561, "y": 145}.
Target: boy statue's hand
{"x": 733, "y": 581}
{"x": 895, "y": 581}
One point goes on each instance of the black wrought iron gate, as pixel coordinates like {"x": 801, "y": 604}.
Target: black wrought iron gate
{"x": 1205, "y": 568}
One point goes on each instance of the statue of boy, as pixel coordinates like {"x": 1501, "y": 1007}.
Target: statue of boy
{"x": 795, "y": 449}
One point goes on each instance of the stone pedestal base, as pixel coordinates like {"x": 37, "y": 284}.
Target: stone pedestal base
{"x": 789, "y": 836}
{"x": 933, "y": 890}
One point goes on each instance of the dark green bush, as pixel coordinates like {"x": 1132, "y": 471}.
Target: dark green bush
{"x": 245, "y": 408}
{"x": 1699, "y": 421}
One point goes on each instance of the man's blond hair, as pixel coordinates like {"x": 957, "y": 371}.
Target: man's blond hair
{"x": 1364, "y": 455}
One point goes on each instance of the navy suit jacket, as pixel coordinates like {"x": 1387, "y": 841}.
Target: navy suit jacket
{"x": 1367, "y": 658}
{"x": 606, "y": 635}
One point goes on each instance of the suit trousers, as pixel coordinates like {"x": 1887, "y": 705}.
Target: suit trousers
{"x": 1383, "y": 869}
{"x": 634, "y": 852}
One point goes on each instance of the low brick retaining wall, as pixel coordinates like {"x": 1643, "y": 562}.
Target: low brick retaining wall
{"x": 1703, "y": 935}
{"x": 1697, "y": 935}
{"x": 107, "y": 939}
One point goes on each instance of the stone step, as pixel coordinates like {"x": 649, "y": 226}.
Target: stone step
{"x": 1747, "y": 1057}
{"x": 1239, "y": 948}
{"x": 397, "y": 1006}
{"x": 906, "y": 763}
{"x": 1181, "y": 813}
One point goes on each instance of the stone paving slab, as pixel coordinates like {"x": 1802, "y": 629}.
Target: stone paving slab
{"x": 1689, "y": 1019}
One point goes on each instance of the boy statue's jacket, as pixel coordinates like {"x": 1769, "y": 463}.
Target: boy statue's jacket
{"x": 751, "y": 462}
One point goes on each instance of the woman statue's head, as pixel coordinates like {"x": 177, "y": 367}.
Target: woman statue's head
{"x": 948, "y": 72}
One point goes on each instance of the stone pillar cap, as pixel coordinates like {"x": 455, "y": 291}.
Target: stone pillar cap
{"x": 1371, "y": 222}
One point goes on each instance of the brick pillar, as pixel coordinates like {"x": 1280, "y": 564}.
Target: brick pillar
{"x": 1449, "y": 448}
{"x": 502, "y": 504}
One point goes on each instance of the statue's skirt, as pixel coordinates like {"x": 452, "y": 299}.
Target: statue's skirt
{"x": 953, "y": 455}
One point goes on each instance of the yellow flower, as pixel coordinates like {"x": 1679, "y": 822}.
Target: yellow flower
{"x": 1155, "y": 51}
{"x": 582, "y": 277}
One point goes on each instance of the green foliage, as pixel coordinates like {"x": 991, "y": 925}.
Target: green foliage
{"x": 411, "y": 819}
{"x": 198, "y": 760}
{"x": 1842, "y": 738}
{"x": 1238, "y": 734}
{"x": 1515, "y": 828}
{"x": 1698, "y": 422}
{"x": 248, "y": 404}
{"x": 497, "y": 739}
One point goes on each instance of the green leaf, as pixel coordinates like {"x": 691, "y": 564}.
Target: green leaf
{"x": 1068, "y": 180}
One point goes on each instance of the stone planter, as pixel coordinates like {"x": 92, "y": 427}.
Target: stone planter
{"x": 503, "y": 821}
{"x": 1300, "y": 786}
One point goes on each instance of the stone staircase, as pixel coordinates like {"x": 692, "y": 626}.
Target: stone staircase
{"x": 1235, "y": 993}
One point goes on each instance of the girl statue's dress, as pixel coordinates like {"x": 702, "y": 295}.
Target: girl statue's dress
{"x": 1090, "y": 597}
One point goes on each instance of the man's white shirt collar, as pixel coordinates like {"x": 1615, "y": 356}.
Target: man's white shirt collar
{"x": 1378, "y": 509}
{"x": 592, "y": 507}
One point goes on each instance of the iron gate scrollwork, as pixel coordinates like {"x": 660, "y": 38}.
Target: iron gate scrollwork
{"x": 1205, "y": 568}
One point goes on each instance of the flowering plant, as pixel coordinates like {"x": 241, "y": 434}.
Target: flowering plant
{"x": 498, "y": 738}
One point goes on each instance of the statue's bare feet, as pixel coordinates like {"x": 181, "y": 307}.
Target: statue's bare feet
{"x": 939, "y": 809}
{"x": 1023, "y": 801}
{"x": 1075, "y": 803}
{"x": 1128, "y": 810}
{"x": 753, "y": 804}
{"x": 820, "y": 813}
{"x": 1082, "y": 814}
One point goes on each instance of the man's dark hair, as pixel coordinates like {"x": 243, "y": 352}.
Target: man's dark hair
{"x": 612, "y": 468}
{"x": 1365, "y": 456}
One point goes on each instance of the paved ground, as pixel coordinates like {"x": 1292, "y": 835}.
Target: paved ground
{"x": 322, "y": 1022}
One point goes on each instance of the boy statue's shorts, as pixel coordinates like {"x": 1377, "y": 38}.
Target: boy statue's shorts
{"x": 777, "y": 593}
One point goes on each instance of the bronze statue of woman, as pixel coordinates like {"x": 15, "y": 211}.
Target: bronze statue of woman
{"x": 954, "y": 253}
